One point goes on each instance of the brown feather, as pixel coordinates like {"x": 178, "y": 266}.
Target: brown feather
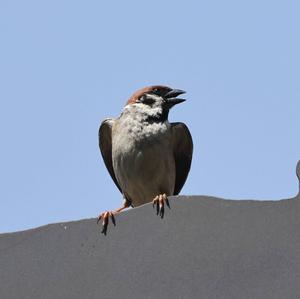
{"x": 183, "y": 152}
{"x": 105, "y": 145}
{"x": 140, "y": 92}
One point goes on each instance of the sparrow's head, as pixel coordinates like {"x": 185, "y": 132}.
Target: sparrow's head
{"x": 155, "y": 101}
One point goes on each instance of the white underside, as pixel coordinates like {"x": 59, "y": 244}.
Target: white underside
{"x": 143, "y": 160}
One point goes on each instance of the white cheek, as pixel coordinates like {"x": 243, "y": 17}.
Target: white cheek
{"x": 141, "y": 112}
{"x": 146, "y": 111}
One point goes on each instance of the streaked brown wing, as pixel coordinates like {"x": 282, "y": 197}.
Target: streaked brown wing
{"x": 183, "y": 152}
{"x": 105, "y": 145}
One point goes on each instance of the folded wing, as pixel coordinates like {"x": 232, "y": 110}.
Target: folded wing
{"x": 105, "y": 144}
{"x": 183, "y": 152}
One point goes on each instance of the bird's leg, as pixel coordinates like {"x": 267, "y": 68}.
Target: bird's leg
{"x": 111, "y": 214}
{"x": 160, "y": 201}
{"x": 105, "y": 220}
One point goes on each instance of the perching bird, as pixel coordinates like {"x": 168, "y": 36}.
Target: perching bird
{"x": 147, "y": 157}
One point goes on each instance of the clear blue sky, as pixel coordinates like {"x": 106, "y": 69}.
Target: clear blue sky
{"x": 67, "y": 65}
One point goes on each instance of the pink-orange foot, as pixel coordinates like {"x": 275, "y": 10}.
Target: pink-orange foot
{"x": 105, "y": 220}
{"x": 160, "y": 201}
{"x": 111, "y": 214}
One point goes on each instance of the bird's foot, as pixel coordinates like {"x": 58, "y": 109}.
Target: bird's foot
{"x": 105, "y": 220}
{"x": 160, "y": 201}
{"x": 111, "y": 214}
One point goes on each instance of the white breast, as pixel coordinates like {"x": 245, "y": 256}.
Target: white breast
{"x": 143, "y": 159}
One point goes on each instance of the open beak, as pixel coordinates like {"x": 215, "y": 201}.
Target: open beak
{"x": 174, "y": 93}
{"x": 171, "y": 97}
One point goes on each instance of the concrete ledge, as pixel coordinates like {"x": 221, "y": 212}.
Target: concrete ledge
{"x": 205, "y": 247}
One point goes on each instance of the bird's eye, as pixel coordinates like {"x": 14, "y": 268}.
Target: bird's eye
{"x": 146, "y": 100}
{"x": 155, "y": 91}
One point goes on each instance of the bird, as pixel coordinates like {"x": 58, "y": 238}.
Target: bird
{"x": 147, "y": 157}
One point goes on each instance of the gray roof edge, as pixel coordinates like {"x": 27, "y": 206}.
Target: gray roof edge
{"x": 212, "y": 199}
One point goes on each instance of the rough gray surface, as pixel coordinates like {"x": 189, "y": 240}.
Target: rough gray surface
{"x": 205, "y": 247}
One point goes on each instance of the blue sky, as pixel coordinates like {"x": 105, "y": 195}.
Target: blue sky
{"x": 67, "y": 65}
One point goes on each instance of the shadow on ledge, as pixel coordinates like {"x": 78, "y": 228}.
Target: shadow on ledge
{"x": 205, "y": 247}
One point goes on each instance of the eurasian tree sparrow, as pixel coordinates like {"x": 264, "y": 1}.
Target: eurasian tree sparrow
{"x": 147, "y": 157}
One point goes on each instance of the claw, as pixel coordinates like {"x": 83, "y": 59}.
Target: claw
{"x": 113, "y": 220}
{"x": 160, "y": 201}
{"x": 105, "y": 223}
{"x": 162, "y": 212}
{"x": 105, "y": 220}
{"x": 104, "y": 230}
{"x": 161, "y": 206}
{"x": 111, "y": 214}
{"x": 165, "y": 198}
{"x": 168, "y": 204}
{"x": 104, "y": 227}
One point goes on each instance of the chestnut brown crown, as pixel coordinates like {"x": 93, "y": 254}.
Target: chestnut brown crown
{"x": 160, "y": 90}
